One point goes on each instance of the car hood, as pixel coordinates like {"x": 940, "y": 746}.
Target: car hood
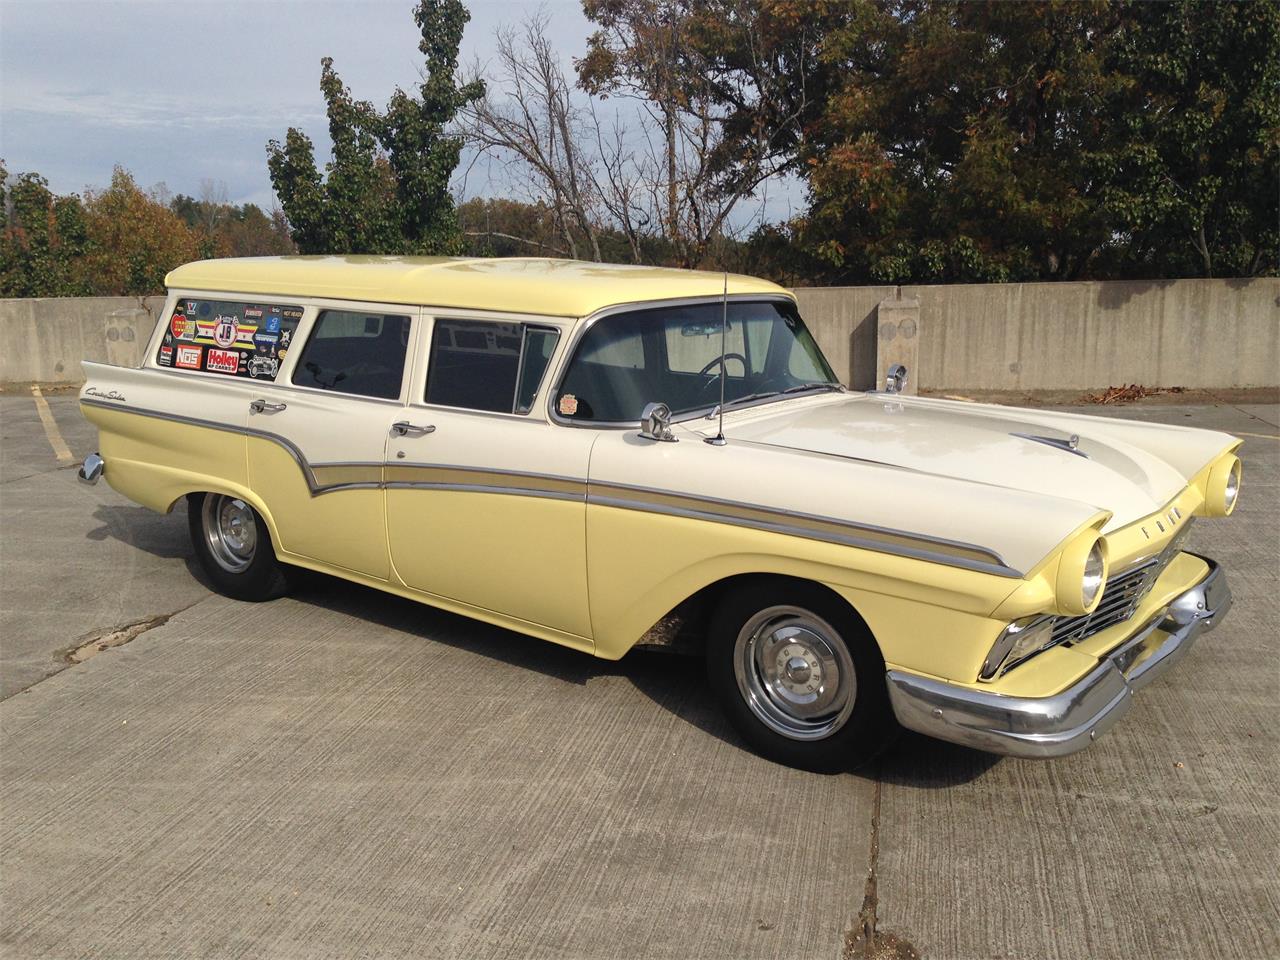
{"x": 1003, "y": 447}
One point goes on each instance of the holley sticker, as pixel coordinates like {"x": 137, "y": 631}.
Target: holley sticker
{"x": 223, "y": 361}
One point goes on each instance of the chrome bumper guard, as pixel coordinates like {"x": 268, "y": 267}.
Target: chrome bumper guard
{"x": 91, "y": 470}
{"x": 1068, "y": 721}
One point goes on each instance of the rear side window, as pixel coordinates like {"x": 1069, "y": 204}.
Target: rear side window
{"x": 485, "y": 365}
{"x": 355, "y": 352}
{"x": 230, "y": 337}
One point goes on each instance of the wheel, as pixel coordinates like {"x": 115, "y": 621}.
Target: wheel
{"x": 234, "y": 547}
{"x": 799, "y": 676}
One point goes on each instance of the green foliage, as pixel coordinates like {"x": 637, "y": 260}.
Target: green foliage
{"x": 41, "y": 238}
{"x": 134, "y": 240}
{"x": 963, "y": 142}
{"x": 227, "y": 230}
{"x": 1194, "y": 182}
{"x": 386, "y": 188}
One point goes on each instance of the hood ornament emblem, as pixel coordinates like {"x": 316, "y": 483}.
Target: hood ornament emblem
{"x": 1070, "y": 444}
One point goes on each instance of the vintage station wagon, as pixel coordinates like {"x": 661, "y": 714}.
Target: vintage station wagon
{"x": 607, "y": 456}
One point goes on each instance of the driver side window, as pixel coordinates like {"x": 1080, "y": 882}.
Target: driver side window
{"x": 355, "y": 352}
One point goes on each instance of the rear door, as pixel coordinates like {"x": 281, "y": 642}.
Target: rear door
{"x": 318, "y": 433}
{"x": 485, "y": 497}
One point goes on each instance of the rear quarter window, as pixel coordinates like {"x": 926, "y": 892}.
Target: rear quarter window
{"x": 233, "y": 338}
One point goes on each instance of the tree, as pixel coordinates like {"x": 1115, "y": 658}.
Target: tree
{"x": 42, "y": 237}
{"x": 538, "y": 124}
{"x": 1194, "y": 182}
{"x": 724, "y": 91}
{"x": 386, "y": 189}
{"x": 1049, "y": 140}
{"x": 133, "y": 240}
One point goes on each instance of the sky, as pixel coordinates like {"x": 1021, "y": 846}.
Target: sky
{"x": 181, "y": 92}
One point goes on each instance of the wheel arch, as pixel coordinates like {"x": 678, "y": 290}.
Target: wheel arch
{"x": 683, "y": 627}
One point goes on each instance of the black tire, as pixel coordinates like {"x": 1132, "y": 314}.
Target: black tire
{"x": 762, "y": 609}
{"x": 254, "y": 576}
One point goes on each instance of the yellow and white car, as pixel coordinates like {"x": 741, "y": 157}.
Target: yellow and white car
{"x": 538, "y": 444}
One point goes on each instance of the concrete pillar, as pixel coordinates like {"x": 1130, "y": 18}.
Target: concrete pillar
{"x": 898, "y": 340}
{"x": 124, "y": 344}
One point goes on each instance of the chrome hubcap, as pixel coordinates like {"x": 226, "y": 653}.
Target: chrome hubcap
{"x": 794, "y": 672}
{"x": 231, "y": 531}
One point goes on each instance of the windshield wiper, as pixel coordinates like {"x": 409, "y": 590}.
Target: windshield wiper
{"x": 752, "y": 396}
{"x": 813, "y": 386}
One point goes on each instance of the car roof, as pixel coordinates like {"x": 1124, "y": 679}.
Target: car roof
{"x": 536, "y": 285}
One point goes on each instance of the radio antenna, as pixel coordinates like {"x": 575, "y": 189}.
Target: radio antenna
{"x": 718, "y": 440}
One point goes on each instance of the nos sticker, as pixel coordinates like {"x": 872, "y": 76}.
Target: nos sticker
{"x": 189, "y": 357}
{"x": 223, "y": 361}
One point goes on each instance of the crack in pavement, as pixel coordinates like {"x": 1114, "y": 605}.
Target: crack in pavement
{"x": 93, "y": 644}
{"x": 865, "y": 940}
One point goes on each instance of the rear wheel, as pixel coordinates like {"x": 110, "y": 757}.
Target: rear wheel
{"x": 234, "y": 547}
{"x": 799, "y": 676}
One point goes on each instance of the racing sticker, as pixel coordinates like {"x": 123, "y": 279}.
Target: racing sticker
{"x": 188, "y": 357}
{"x": 224, "y": 331}
{"x": 253, "y": 311}
{"x": 181, "y": 327}
{"x": 263, "y": 367}
{"x": 223, "y": 361}
{"x": 166, "y": 357}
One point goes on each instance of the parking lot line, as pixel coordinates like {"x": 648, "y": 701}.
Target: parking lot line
{"x": 60, "y": 449}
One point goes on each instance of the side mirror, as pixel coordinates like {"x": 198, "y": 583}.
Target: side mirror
{"x": 655, "y": 422}
{"x": 896, "y": 379}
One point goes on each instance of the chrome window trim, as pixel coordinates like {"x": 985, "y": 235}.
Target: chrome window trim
{"x": 588, "y": 322}
{"x": 525, "y": 326}
{"x": 406, "y": 370}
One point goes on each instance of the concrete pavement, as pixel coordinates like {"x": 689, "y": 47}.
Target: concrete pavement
{"x": 345, "y": 774}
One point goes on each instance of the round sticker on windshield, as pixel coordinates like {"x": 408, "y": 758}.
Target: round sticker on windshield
{"x": 568, "y": 405}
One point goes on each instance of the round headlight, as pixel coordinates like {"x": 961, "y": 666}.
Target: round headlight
{"x": 1095, "y": 574}
{"x": 1082, "y": 574}
{"x": 1233, "y": 487}
{"x": 1222, "y": 488}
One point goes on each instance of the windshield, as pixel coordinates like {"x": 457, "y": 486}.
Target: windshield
{"x": 671, "y": 355}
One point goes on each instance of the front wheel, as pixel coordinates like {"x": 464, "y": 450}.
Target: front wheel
{"x": 799, "y": 676}
{"x": 234, "y": 547}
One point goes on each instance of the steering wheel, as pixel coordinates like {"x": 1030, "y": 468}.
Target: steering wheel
{"x": 726, "y": 357}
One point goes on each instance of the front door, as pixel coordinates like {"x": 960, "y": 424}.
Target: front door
{"x": 486, "y": 500}
{"x": 317, "y": 437}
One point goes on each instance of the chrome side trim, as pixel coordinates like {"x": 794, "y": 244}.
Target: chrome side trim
{"x": 322, "y": 478}
{"x": 1036, "y": 727}
{"x": 809, "y": 526}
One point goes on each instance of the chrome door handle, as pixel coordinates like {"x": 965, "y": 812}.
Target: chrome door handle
{"x": 265, "y": 406}
{"x": 403, "y": 428}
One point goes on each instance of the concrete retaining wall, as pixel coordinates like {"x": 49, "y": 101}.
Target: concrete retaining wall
{"x": 43, "y": 341}
{"x": 1063, "y": 336}
{"x": 1015, "y": 336}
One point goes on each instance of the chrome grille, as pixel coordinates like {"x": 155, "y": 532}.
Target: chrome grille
{"x": 1121, "y": 597}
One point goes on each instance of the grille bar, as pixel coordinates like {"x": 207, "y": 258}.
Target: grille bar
{"x": 1121, "y": 597}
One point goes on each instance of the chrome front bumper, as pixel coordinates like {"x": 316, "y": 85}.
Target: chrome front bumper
{"x": 1070, "y": 720}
